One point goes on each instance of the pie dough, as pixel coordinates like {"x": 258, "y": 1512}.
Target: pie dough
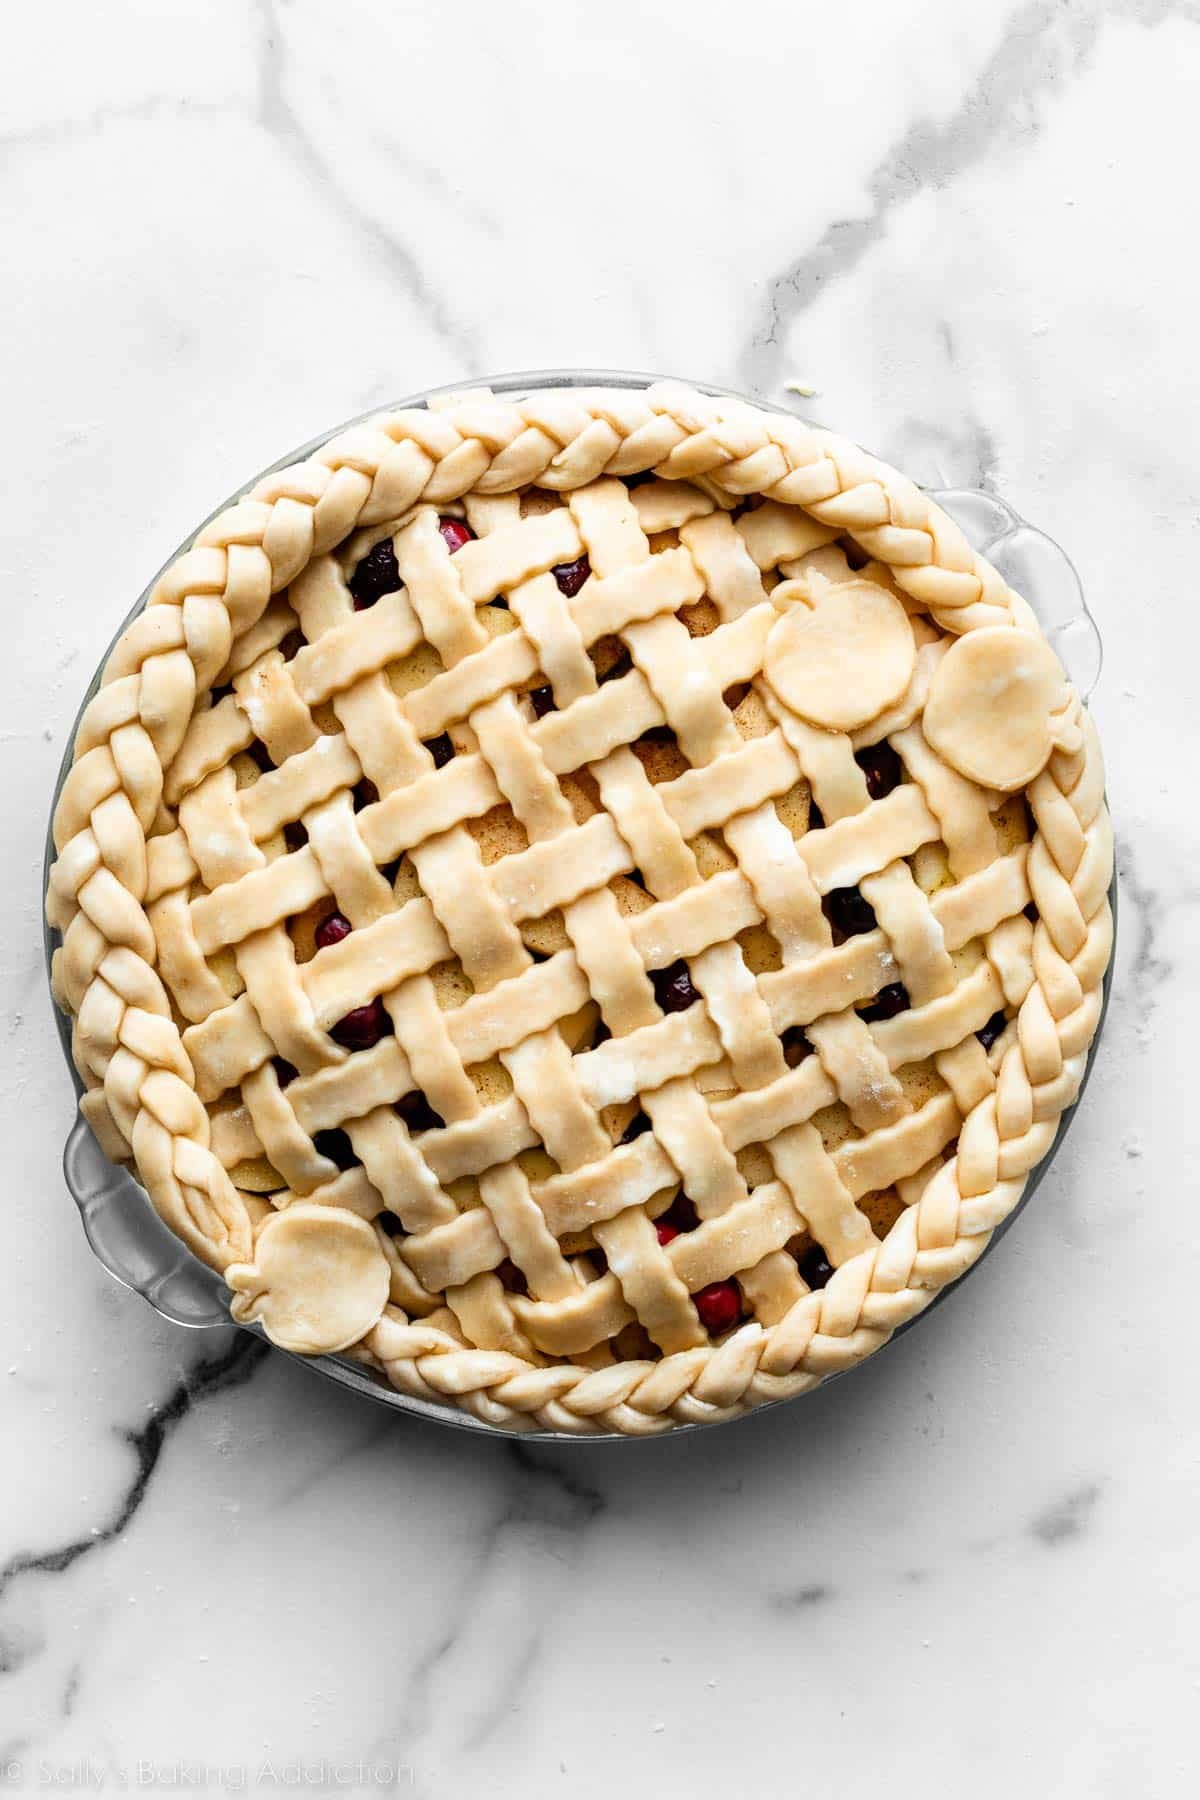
{"x": 998, "y": 706}
{"x": 840, "y": 653}
{"x": 540, "y": 911}
{"x": 318, "y": 1282}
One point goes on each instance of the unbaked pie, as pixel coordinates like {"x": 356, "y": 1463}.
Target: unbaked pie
{"x": 591, "y": 905}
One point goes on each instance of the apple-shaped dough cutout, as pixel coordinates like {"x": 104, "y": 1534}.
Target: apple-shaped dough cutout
{"x": 318, "y": 1281}
{"x": 840, "y": 652}
{"x": 998, "y": 706}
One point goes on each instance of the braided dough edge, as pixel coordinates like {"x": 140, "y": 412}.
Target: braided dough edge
{"x": 128, "y": 1049}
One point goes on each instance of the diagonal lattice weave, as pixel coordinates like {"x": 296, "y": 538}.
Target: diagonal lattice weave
{"x": 626, "y": 793}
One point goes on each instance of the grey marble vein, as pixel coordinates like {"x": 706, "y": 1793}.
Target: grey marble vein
{"x": 544, "y": 1478}
{"x": 71, "y": 1687}
{"x": 538, "y": 1494}
{"x": 287, "y": 127}
{"x": 974, "y": 456}
{"x": 1067, "y": 1518}
{"x": 1151, "y": 966}
{"x": 152, "y": 109}
{"x": 214, "y": 1375}
{"x": 802, "y": 1599}
{"x": 515, "y": 1673}
{"x": 1045, "y": 44}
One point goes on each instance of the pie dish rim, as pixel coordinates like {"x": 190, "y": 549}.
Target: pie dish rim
{"x": 346, "y": 1372}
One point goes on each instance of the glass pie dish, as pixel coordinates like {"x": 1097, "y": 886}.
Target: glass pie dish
{"x": 141, "y": 1252}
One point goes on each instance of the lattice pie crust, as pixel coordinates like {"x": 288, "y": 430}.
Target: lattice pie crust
{"x": 720, "y": 864}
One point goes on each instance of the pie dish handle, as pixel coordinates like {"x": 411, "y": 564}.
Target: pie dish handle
{"x": 1041, "y": 572}
{"x": 131, "y": 1241}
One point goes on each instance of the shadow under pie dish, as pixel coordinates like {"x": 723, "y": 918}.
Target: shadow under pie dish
{"x": 591, "y": 904}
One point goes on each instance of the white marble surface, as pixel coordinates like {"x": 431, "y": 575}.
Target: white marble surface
{"x": 970, "y": 1568}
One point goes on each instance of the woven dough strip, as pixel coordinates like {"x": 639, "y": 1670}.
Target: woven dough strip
{"x": 141, "y": 1085}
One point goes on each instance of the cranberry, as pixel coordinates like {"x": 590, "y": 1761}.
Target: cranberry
{"x": 375, "y": 576}
{"x": 795, "y": 1046}
{"x": 666, "y": 1233}
{"x": 636, "y": 1126}
{"x": 887, "y": 1003}
{"x": 571, "y": 576}
{"x": 512, "y": 1279}
{"x": 262, "y": 756}
{"x": 390, "y": 1223}
{"x": 543, "y": 701}
{"x": 815, "y": 1266}
{"x": 882, "y": 768}
{"x": 332, "y": 930}
{"x": 816, "y": 818}
{"x": 848, "y": 912}
{"x": 719, "y": 1305}
{"x": 673, "y": 988}
{"x": 417, "y": 1113}
{"x": 294, "y": 835}
{"x": 365, "y": 794}
{"x": 291, "y": 645}
{"x": 455, "y": 533}
{"x": 681, "y": 1215}
{"x": 362, "y": 1027}
{"x": 284, "y": 1071}
{"x": 992, "y": 1030}
{"x": 441, "y": 750}
{"x": 337, "y": 1147}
